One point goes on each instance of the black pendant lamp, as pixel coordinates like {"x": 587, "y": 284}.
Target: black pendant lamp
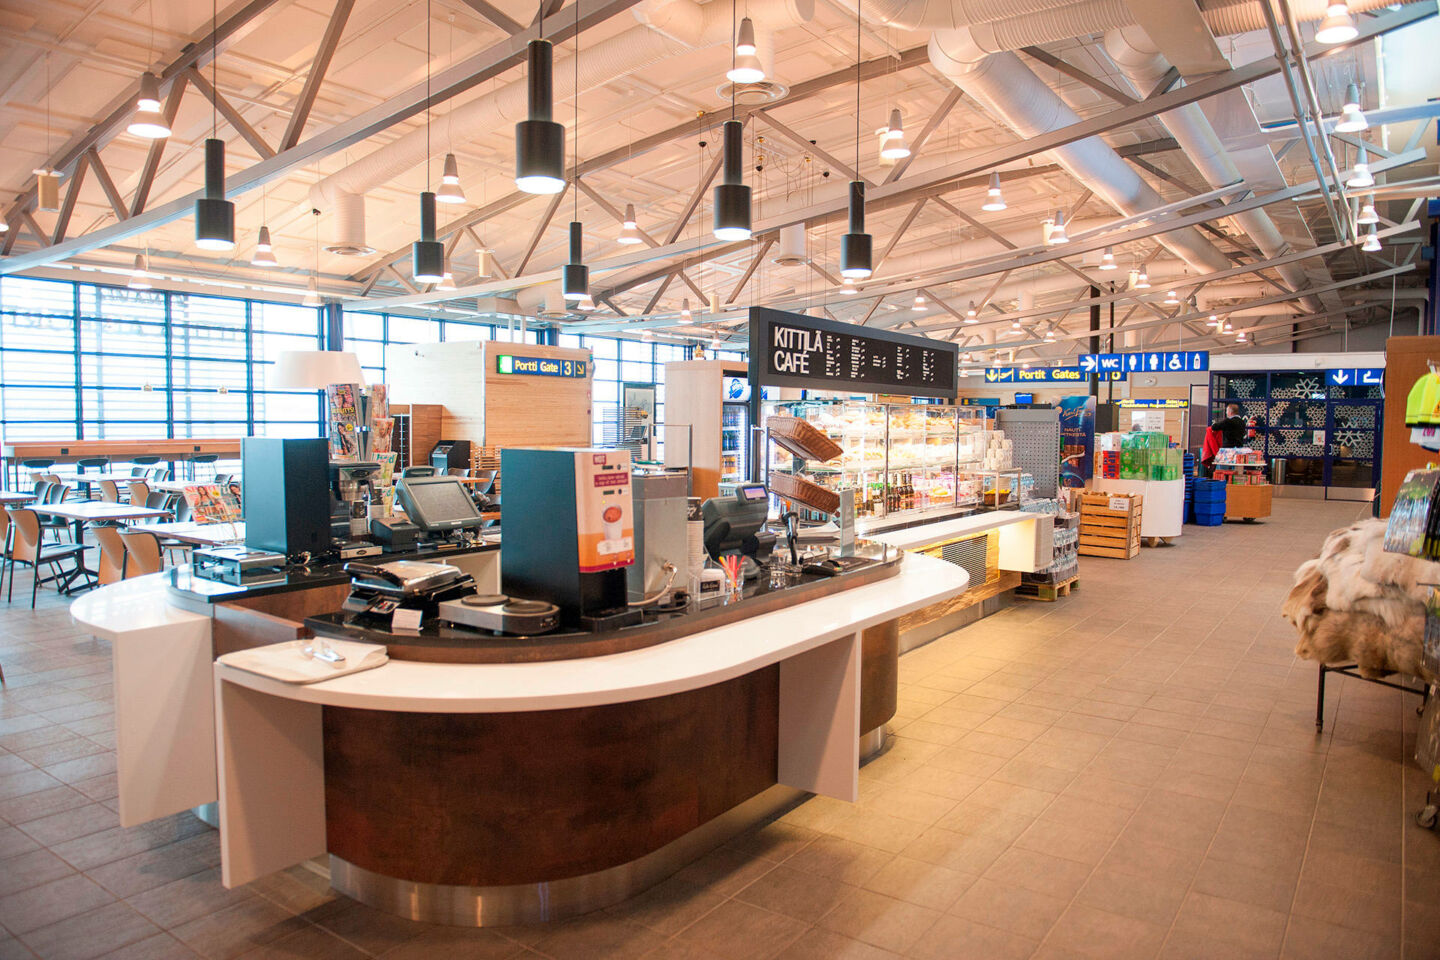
{"x": 214, "y": 215}
{"x": 732, "y": 196}
{"x": 539, "y": 140}
{"x": 855, "y": 246}
{"x": 427, "y": 254}
{"x": 575, "y": 276}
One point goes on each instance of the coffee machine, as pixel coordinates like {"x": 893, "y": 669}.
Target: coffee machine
{"x": 352, "y": 488}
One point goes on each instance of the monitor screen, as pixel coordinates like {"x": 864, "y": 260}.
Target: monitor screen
{"x": 438, "y": 503}
{"x": 751, "y": 493}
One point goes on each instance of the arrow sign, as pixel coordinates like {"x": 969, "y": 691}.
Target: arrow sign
{"x": 1340, "y": 377}
{"x": 1372, "y": 377}
{"x": 991, "y": 375}
{"x": 1089, "y": 362}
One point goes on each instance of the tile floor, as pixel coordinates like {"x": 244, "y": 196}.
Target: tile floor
{"x": 1132, "y": 772}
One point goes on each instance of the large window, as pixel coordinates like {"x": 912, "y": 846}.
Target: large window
{"x": 99, "y": 362}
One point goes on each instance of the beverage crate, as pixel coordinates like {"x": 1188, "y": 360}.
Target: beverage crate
{"x": 1110, "y": 525}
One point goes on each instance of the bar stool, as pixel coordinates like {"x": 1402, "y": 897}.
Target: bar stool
{"x": 139, "y": 465}
{"x": 34, "y": 466}
{"x": 102, "y": 464}
{"x": 200, "y": 460}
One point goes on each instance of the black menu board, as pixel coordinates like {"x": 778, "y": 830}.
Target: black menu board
{"x": 793, "y": 350}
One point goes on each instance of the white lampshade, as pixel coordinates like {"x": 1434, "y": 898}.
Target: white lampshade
{"x": 314, "y": 369}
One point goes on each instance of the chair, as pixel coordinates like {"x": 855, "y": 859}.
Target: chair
{"x": 109, "y": 491}
{"x": 158, "y": 500}
{"x": 33, "y": 465}
{"x": 142, "y": 550}
{"x": 54, "y": 494}
{"x": 30, "y": 548}
{"x": 222, "y": 479}
{"x": 112, "y": 567}
{"x": 157, "y": 474}
{"x": 139, "y": 492}
{"x": 182, "y": 510}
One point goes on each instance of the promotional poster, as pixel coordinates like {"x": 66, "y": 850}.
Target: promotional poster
{"x": 1077, "y": 440}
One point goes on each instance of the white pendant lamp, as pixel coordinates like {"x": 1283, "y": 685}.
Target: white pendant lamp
{"x": 745, "y": 38}
{"x": 716, "y": 343}
{"x": 1352, "y": 119}
{"x": 264, "y": 251}
{"x": 1240, "y": 336}
{"x": 4, "y": 224}
{"x": 1338, "y": 25}
{"x": 1360, "y": 176}
{"x": 895, "y": 147}
{"x": 1214, "y": 321}
{"x": 919, "y": 306}
{"x": 685, "y": 313}
{"x": 586, "y": 305}
{"x": 1142, "y": 278}
{"x": 747, "y": 68}
{"x": 629, "y": 230}
{"x": 1172, "y": 299}
{"x": 450, "y": 190}
{"x": 972, "y": 313}
{"x": 1372, "y": 241}
{"x": 994, "y": 199}
{"x": 148, "y": 122}
{"x": 847, "y": 288}
{"x": 1107, "y": 259}
{"x": 312, "y": 294}
{"x": 447, "y": 279}
{"x": 485, "y": 263}
{"x": 1057, "y": 234}
{"x": 1367, "y": 213}
{"x": 1049, "y": 336}
{"x": 139, "y": 274}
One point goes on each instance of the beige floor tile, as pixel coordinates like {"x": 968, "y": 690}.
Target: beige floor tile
{"x": 1084, "y": 931}
{"x": 880, "y": 920}
{"x": 739, "y": 931}
{"x": 954, "y": 937}
{"x": 1011, "y": 908}
{"x": 918, "y": 882}
{"x": 1248, "y": 925}
{"x": 820, "y": 944}
{"x": 1040, "y": 872}
{"x": 1155, "y": 898}
{"x": 804, "y": 896}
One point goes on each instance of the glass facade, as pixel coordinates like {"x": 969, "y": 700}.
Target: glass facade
{"x": 85, "y": 361}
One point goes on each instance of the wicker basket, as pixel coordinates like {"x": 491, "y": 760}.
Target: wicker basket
{"x": 802, "y": 438}
{"x": 803, "y": 491}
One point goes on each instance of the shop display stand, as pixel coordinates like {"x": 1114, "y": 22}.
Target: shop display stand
{"x": 1108, "y": 531}
{"x": 1353, "y": 670}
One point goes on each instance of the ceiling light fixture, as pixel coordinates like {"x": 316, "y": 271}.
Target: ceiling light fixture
{"x": 139, "y": 274}
{"x": 745, "y": 38}
{"x": 847, "y": 288}
{"x": 450, "y": 190}
{"x": 1372, "y": 241}
{"x": 994, "y": 199}
{"x": 919, "y": 306}
{"x": 685, "y": 313}
{"x": 1240, "y": 336}
{"x": 539, "y": 140}
{"x": 1057, "y": 232}
{"x": 1360, "y": 176}
{"x": 1049, "y": 336}
{"x": 485, "y": 263}
{"x": 575, "y": 276}
{"x": 1338, "y": 25}
{"x": 745, "y": 68}
{"x": 1015, "y": 324}
{"x": 1214, "y": 321}
{"x": 1172, "y": 299}
{"x": 731, "y": 195}
{"x": 855, "y": 245}
{"x": 716, "y": 343}
{"x": 1352, "y": 119}
{"x": 629, "y": 230}
{"x": 972, "y": 313}
{"x": 1107, "y": 259}
{"x": 148, "y": 121}
{"x": 895, "y": 147}
{"x": 312, "y": 294}
{"x": 447, "y": 280}
{"x": 214, "y": 215}
{"x": 264, "y": 251}
{"x": 427, "y": 254}
{"x": 1142, "y": 278}
{"x": 1367, "y": 213}
{"x": 586, "y": 305}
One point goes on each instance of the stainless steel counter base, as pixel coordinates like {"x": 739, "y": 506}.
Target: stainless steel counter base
{"x": 558, "y": 899}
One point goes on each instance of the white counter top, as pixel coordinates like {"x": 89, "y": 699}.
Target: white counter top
{"x": 909, "y": 538}
{"x": 688, "y": 663}
{"x": 130, "y": 607}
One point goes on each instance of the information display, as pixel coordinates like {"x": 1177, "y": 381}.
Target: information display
{"x": 541, "y": 366}
{"x": 1353, "y": 377}
{"x": 790, "y": 349}
{"x": 1155, "y": 361}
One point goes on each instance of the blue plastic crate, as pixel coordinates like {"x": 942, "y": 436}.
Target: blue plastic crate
{"x": 1210, "y": 521}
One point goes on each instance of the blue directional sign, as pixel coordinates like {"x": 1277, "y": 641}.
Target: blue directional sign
{"x": 1154, "y": 361}
{"x": 1035, "y": 375}
{"x": 1356, "y": 377}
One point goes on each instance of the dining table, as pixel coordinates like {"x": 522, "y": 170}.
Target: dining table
{"x": 193, "y": 532}
{"x": 14, "y": 498}
{"x": 81, "y": 512}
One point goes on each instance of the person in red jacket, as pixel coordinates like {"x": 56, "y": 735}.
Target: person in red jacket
{"x": 1208, "y": 450}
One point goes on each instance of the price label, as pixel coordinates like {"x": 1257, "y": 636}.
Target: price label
{"x": 1120, "y": 503}
{"x": 406, "y": 618}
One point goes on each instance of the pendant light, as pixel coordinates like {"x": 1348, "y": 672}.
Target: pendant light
{"x": 214, "y": 215}
{"x": 47, "y": 189}
{"x": 847, "y": 288}
{"x": 629, "y": 230}
{"x": 1338, "y": 25}
{"x": 994, "y": 199}
{"x": 447, "y": 279}
{"x": 1240, "y": 336}
{"x": 264, "y": 251}
{"x": 1049, "y": 336}
{"x": 731, "y": 195}
{"x": 919, "y": 306}
{"x": 1214, "y": 321}
{"x": 312, "y": 294}
{"x": 972, "y": 313}
{"x": 685, "y": 313}
{"x": 4, "y": 224}
{"x": 575, "y": 276}
{"x": 1015, "y": 324}
{"x": 148, "y": 122}
{"x": 715, "y": 342}
{"x": 856, "y": 245}
{"x": 745, "y": 38}
{"x": 746, "y": 68}
{"x": 139, "y": 274}
{"x": 1107, "y": 259}
{"x": 1057, "y": 234}
{"x": 1372, "y": 241}
{"x": 484, "y": 263}
{"x": 450, "y": 190}
{"x": 312, "y": 288}
{"x": 1352, "y": 119}
{"x": 539, "y": 140}
{"x": 895, "y": 147}
{"x": 586, "y": 305}
{"x": 1142, "y": 278}
{"x": 427, "y": 255}
{"x": 1172, "y": 299}
{"x": 1367, "y": 213}
{"x": 1360, "y": 176}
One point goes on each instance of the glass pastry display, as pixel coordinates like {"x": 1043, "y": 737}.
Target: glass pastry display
{"x": 902, "y": 460}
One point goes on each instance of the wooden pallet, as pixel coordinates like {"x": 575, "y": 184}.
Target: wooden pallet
{"x": 1106, "y": 530}
{"x": 1047, "y": 592}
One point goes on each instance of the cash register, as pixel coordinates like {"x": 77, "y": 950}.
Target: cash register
{"x": 734, "y": 526}
{"x": 440, "y": 515}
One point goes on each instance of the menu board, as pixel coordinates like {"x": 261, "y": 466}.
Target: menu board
{"x": 793, "y": 350}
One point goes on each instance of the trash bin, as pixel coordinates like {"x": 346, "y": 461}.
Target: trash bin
{"x": 1277, "y": 470}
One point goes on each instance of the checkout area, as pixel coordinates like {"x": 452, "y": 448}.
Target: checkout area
{"x": 471, "y": 728}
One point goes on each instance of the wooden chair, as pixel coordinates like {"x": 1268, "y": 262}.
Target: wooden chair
{"x": 54, "y": 494}
{"x": 109, "y": 491}
{"x": 112, "y": 568}
{"x": 29, "y": 547}
{"x": 142, "y": 550}
{"x": 139, "y": 492}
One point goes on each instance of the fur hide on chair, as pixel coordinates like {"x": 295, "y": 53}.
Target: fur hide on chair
{"x": 1357, "y": 603}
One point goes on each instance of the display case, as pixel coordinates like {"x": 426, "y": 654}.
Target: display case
{"x": 904, "y": 461}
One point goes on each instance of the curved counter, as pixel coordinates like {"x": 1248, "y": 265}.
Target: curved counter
{"x": 499, "y": 793}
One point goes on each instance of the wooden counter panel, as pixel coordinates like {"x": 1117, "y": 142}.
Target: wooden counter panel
{"x": 500, "y": 799}
{"x": 879, "y": 674}
{"x": 271, "y": 618}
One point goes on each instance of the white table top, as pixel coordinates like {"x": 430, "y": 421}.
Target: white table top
{"x": 97, "y": 510}
{"x": 130, "y": 609}
{"x": 189, "y": 531}
{"x": 688, "y": 663}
